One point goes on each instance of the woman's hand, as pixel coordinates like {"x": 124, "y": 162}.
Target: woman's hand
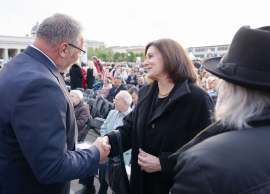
{"x": 149, "y": 163}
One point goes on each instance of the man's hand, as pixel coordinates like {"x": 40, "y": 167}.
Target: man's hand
{"x": 149, "y": 163}
{"x": 105, "y": 143}
{"x": 102, "y": 152}
{"x": 132, "y": 81}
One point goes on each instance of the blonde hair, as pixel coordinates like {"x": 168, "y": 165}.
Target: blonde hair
{"x": 90, "y": 64}
{"x": 241, "y": 105}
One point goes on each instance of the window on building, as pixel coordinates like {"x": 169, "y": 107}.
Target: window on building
{"x": 223, "y": 48}
{"x": 199, "y": 50}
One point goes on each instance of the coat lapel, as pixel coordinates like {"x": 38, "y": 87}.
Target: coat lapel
{"x": 181, "y": 90}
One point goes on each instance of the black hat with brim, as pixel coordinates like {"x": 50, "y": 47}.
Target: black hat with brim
{"x": 247, "y": 62}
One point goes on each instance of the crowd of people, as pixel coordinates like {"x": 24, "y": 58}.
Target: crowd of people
{"x": 186, "y": 127}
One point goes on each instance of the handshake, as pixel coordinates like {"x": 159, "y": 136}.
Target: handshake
{"x": 103, "y": 146}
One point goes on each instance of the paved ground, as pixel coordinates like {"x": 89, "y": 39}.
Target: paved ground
{"x": 75, "y": 186}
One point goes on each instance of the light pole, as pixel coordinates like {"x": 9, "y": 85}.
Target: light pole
{"x": 128, "y": 57}
{"x": 209, "y": 53}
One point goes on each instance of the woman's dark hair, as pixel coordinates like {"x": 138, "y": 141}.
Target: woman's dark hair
{"x": 108, "y": 81}
{"x": 176, "y": 62}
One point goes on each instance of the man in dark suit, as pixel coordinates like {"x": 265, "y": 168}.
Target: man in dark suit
{"x": 38, "y": 130}
{"x": 132, "y": 78}
{"x": 117, "y": 87}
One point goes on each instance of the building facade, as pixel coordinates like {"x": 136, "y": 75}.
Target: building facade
{"x": 208, "y": 51}
{"x": 125, "y": 49}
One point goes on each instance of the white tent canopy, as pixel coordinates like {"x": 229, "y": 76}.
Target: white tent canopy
{"x": 191, "y": 56}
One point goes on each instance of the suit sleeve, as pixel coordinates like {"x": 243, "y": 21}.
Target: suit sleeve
{"x": 189, "y": 177}
{"x": 126, "y": 134}
{"x": 39, "y": 122}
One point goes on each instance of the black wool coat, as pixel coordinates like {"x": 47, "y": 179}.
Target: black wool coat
{"x": 90, "y": 78}
{"x": 76, "y": 76}
{"x": 187, "y": 112}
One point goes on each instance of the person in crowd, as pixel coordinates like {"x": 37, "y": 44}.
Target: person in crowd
{"x": 81, "y": 110}
{"x": 38, "y": 128}
{"x": 76, "y": 76}
{"x": 141, "y": 71}
{"x": 117, "y": 87}
{"x": 215, "y": 85}
{"x": 98, "y": 84}
{"x": 122, "y": 104}
{"x": 118, "y": 72}
{"x": 84, "y": 77}
{"x": 113, "y": 70}
{"x": 205, "y": 77}
{"x": 128, "y": 72}
{"x": 169, "y": 113}
{"x": 106, "y": 73}
{"x": 237, "y": 142}
{"x": 208, "y": 83}
{"x": 133, "y": 91}
{"x": 132, "y": 78}
{"x": 91, "y": 74}
{"x": 107, "y": 86}
{"x": 124, "y": 73}
{"x": 140, "y": 81}
{"x": 97, "y": 64}
{"x": 197, "y": 64}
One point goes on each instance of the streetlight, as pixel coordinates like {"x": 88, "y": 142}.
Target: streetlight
{"x": 128, "y": 57}
{"x": 209, "y": 53}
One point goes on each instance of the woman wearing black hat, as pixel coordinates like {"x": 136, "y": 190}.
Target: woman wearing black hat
{"x": 232, "y": 155}
{"x": 169, "y": 113}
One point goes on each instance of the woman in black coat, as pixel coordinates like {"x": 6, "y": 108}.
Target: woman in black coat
{"x": 76, "y": 76}
{"x": 91, "y": 73}
{"x": 169, "y": 113}
{"x": 232, "y": 155}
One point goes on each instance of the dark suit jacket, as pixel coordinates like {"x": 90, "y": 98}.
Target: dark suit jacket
{"x": 37, "y": 129}
{"x": 113, "y": 93}
{"x": 129, "y": 80}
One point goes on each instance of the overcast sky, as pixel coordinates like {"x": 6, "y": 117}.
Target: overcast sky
{"x": 128, "y": 23}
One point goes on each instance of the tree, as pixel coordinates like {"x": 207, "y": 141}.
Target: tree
{"x": 91, "y": 52}
{"x": 132, "y": 57}
{"x": 123, "y": 55}
{"x": 104, "y": 56}
{"x": 120, "y": 59}
{"x": 116, "y": 55}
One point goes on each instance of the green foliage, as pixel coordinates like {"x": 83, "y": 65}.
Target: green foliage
{"x": 106, "y": 53}
{"x": 132, "y": 56}
{"x": 116, "y": 55}
{"x": 104, "y": 56}
{"x": 123, "y": 55}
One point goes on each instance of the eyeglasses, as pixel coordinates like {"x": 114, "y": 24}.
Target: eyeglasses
{"x": 80, "y": 53}
{"x": 116, "y": 100}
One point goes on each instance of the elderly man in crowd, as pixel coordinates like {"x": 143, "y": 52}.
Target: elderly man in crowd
{"x": 38, "y": 131}
{"x": 140, "y": 81}
{"x": 134, "y": 95}
{"x": 82, "y": 112}
{"x": 122, "y": 104}
{"x": 132, "y": 78}
{"x": 117, "y": 87}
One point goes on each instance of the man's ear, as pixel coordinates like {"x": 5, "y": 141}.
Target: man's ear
{"x": 64, "y": 50}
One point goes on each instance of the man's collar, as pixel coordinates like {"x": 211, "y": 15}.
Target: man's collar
{"x": 43, "y": 54}
{"x": 126, "y": 112}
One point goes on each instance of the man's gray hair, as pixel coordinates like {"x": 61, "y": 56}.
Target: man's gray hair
{"x": 127, "y": 97}
{"x": 60, "y": 28}
{"x": 241, "y": 105}
{"x": 78, "y": 93}
{"x": 119, "y": 79}
{"x": 99, "y": 75}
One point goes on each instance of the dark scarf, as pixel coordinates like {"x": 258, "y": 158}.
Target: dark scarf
{"x": 216, "y": 128}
